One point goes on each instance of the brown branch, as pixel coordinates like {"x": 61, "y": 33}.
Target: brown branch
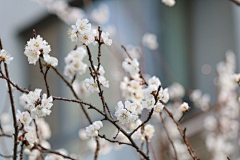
{"x": 236, "y": 2}
{"x": 113, "y": 141}
{"x": 21, "y": 152}
{"x": 1, "y": 155}
{"x": 228, "y": 158}
{"x": 150, "y": 113}
{"x": 13, "y": 114}
{"x": 168, "y": 135}
{"x": 45, "y": 76}
{"x": 147, "y": 145}
{"x": 74, "y": 78}
{"x": 183, "y": 134}
{"x": 154, "y": 154}
{"x": 99, "y": 47}
{"x": 97, "y": 149}
{"x": 98, "y": 83}
{"x": 45, "y": 150}
{"x": 6, "y": 135}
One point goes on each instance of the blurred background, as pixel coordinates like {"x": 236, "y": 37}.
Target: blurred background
{"x": 192, "y": 37}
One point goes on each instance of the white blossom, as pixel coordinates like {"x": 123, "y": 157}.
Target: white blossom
{"x": 123, "y": 114}
{"x": 5, "y": 57}
{"x": 23, "y": 118}
{"x": 158, "y": 107}
{"x": 52, "y": 61}
{"x": 101, "y": 14}
{"x": 149, "y": 131}
{"x": 74, "y": 62}
{"x": 149, "y": 103}
{"x": 5, "y": 117}
{"x": 93, "y": 129}
{"x": 44, "y": 108}
{"x": 35, "y": 47}
{"x": 169, "y": 3}
{"x": 131, "y": 66}
{"x": 150, "y": 40}
{"x": 105, "y": 38}
{"x": 154, "y": 81}
{"x": 80, "y": 89}
{"x": 184, "y": 107}
{"x": 30, "y": 136}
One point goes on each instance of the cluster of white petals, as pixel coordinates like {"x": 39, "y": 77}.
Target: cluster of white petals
{"x": 5, "y": 57}
{"x": 184, "y": 107}
{"x": 37, "y": 106}
{"x": 37, "y": 47}
{"x": 127, "y": 114}
{"x": 74, "y": 62}
{"x": 150, "y": 40}
{"x": 150, "y": 94}
{"x": 82, "y": 31}
{"x": 92, "y": 85}
{"x": 93, "y": 129}
{"x": 148, "y": 131}
{"x": 131, "y": 66}
{"x": 223, "y": 129}
{"x": 169, "y": 3}
{"x": 133, "y": 90}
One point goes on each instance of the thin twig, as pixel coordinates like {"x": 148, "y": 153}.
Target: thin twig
{"x": 168, "y": 135}
{"x": 183, "y": 134}
{"x": 236, "y": 2}
{"x": 21, "y": 152}
{"x": 45, "y": 76}
{"x": 97, "y": 149}
{"x": 13, "y": 114}
{"x": 45, "y": 150}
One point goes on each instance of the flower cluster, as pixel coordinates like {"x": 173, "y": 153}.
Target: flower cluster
{"x": 93, "y": 129}
{"x": 223, "y": 129}
{"x": 133, "y": 90}
{"x": 83, "y": 32}
{"x": 91, "y": 83}
{"x": 127, "y": 114}
{"x": 151, "y": 101}
{"x": 74, "y": 62}
{"x": 5, "y": 57}
{"x": 37, "y": 47}
{"x": 131, "y": 66}
{"x": 37, "y": 106}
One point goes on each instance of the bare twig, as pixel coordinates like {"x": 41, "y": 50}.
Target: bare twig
{"x": 236, "y": 2}
{"x": 97, "y": 149}
{"x": 45, "y": 150}
{"x": 98, "y": 83}
{"x": 45, "y": 76}
{"x": 21, "y": 152}
{"x": 13, "y": 114}
{"x": 183, "y": 134}
{"x": 168, "y": 135}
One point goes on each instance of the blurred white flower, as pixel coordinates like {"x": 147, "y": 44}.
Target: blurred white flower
{"x": 169, "y": 3}
{"x": 150, "y": 40}
{"x": 52, "y": 61}
{"x": 5, "y": 57}
{"x": 101, "y": 14}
